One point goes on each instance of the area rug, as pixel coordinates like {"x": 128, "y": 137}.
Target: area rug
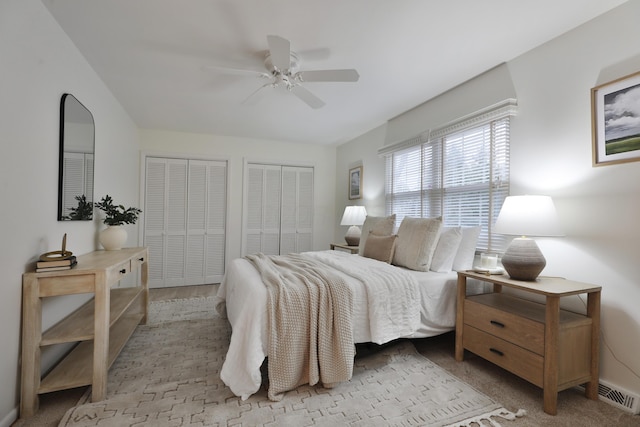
{"x": 168, "y": 375}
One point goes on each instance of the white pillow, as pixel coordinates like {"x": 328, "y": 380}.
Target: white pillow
{"x": 378, "y": 225}
{"x": 417, "y": 239}
{"x": 446, "y": 249}
{"x": 467, "y": 249}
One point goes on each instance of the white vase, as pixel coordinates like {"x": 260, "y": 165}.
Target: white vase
{"x": 113, "y": 237}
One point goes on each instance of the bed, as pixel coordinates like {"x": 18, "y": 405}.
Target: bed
{"x": 428, "y": 309}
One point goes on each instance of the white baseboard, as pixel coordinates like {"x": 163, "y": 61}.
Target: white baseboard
{"x": 9, "y": 418}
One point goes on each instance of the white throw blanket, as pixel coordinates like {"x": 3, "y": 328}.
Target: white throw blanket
{"x": 310, "y": 329}
{"x": 392, "y": 293}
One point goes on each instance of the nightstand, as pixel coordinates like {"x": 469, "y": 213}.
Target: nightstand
{"x": 343, "y": 247}
{"x": 551, "y": 348}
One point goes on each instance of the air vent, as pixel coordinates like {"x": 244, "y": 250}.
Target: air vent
{"x": 618, "y": 397}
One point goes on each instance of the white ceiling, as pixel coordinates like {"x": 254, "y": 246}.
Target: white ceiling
{"x": 153, "y": 54}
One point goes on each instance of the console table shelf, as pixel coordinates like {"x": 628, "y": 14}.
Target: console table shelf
{"x": 78, "y": 326}
{"x": 76, "y": 369}
{"x": 101, "y": 327}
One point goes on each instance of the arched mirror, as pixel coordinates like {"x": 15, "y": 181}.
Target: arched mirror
{"x": 75, "y": 180}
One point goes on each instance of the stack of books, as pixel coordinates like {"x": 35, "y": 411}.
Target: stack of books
{"x": 56, "y": 265}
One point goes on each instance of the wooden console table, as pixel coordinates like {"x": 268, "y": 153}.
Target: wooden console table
{"x": 102, "y": 326}
{"x": 552, "y": 348}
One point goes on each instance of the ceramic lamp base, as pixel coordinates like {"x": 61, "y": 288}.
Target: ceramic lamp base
{"x": 353, "y": 236}
{"x": 523, "y": 259}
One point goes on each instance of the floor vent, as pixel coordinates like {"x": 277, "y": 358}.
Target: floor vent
{"x": 618, "y": 397}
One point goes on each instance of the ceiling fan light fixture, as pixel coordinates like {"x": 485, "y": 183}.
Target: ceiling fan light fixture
{"x": 283, "y": 66}
{"x": 294, "y": 64}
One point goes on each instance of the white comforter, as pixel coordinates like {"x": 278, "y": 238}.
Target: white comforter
{"x": 243, "y": 298}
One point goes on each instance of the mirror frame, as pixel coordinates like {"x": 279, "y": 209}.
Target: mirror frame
{"x": 66, "y": 102}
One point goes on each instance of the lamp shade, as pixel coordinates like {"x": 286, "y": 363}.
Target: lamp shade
{"x": 528, "y": 216}
{"x": 354, "y": 215}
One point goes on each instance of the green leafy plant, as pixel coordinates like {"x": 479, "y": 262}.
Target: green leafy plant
{"x": 117, "y": 214}
{"x": 84, "y": 210}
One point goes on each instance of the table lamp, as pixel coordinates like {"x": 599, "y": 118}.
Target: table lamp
{"x": 353, "y": 216}
{"x": 526, "y": 216}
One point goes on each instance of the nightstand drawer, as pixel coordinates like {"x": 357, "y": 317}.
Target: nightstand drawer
{"x": 511, "y": 357}
{"x": 516, "y": 329}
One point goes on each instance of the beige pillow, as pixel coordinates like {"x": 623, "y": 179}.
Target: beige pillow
{"x": 378, "y": 225}
{"x": 417, "y": 239}
{"x": 380, "y": 247}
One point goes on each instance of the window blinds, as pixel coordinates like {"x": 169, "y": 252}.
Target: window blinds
{"x": 459, "y": 172}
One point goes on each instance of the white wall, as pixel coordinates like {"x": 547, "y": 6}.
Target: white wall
{"x": 362, "y": 151}
{"x": 39, "y": 63}
{"x": 551, "y": 154}
{"x": 236, "y": 151}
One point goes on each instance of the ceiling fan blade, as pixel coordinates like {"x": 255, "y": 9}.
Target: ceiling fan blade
{"x": 310, "y": 99}
{"x": 349, "y": 75}
{"x": 252, "y": 95}
{"x": 237, "y": 71}
{"x": 280, "y": 50}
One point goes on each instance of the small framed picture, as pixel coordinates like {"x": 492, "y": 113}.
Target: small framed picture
{"x": 615, "y": 121}
{"x": 355, "y": 183}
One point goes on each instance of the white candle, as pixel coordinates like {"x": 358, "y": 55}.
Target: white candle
{"x": 488, "y": 261}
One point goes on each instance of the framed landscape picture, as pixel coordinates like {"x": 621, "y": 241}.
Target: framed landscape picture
{"x": 615, "y": 121}
{"x": 355, "y": 183}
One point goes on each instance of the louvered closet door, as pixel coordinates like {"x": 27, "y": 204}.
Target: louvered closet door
{"x": 73, "y": 181}
{"x": 297, "y": 210}
{"x": 262, "y": 209}
{"x": 165, "y": 230}
{"x": 278, "y": 209}
{"x": 88, "y": 176}
{"x": 206, "y": 222}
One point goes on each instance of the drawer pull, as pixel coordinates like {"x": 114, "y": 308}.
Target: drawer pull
{"x": 498, "y": 352}
{"x": 496, "y": 323}
{"x": 124, "y": 270}
{"x": 141, "y": 259}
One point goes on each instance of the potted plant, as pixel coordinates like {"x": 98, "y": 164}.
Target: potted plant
{"x": 82, "y": 212}
{"x": 114, "y": 236}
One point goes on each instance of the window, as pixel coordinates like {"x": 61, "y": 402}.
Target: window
{"x": 459, "y": 172}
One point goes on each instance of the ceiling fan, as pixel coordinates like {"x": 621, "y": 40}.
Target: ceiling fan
{"x": 283, "y": 70}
